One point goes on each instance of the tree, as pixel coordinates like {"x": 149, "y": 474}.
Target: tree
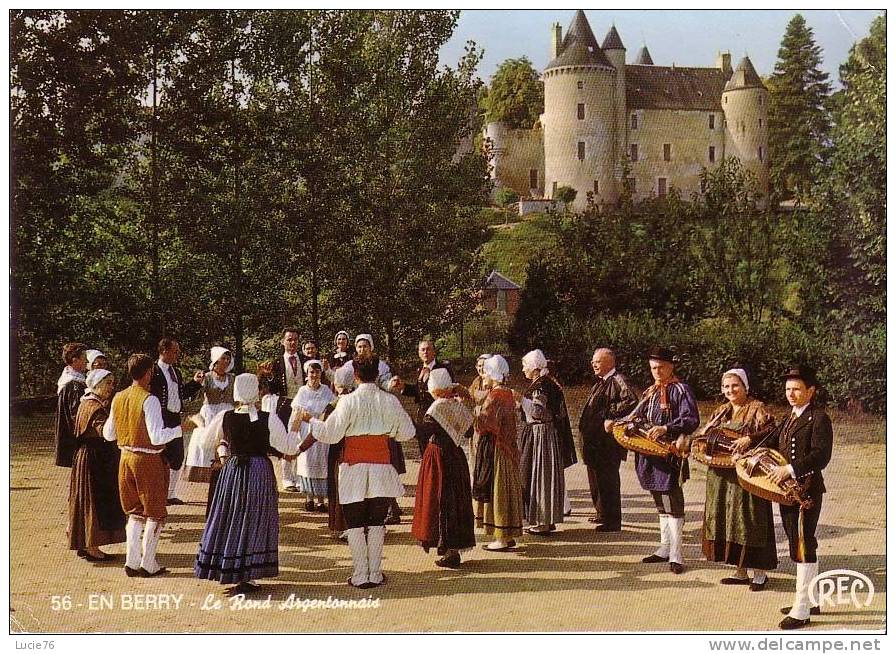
{"x": 516, "y": 95}
{"x": 798, "y": 120}
{"x": 565, "y": 194}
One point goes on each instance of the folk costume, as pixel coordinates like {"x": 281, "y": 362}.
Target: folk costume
{"x": 136, "y": 421}
{"x": 443, "y": 508}
{"x": 343, "y": 382}
{"x": 611, "y": 398}
{"x": 497, "y": 487}
{"x": 217, "y": 397}
{"x": 339, "y": 357}
{"x": 738, "y": 527}
{"x": 69, "y": 390}
{"x": 674, "y": 406}
{"x": 311, "y": 466}
{"x": 240, "y": 541}
{"x": 547, "y": 447}
{"x": 478, "y": 392}
{"x": 167, "y": 384}
{"x": 287, "y": 377}
{"x": 806, "y": 440}
{"x": 420, "y": 392}
{"x": 367, "y": 419}
{"x": 95, "y": 517}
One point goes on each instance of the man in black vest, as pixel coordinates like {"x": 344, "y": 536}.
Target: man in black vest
{"x": 805, "y": 439}
{"x": 167, "y": 384}
{"x": 611, "y": 399}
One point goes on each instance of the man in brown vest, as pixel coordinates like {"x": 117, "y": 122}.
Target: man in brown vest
{"x": 135, "y": 421}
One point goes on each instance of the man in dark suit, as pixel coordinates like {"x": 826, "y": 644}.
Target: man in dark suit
{"x": 805, "y": 439}
{"x": 167, "y": 384}
{"x": 611, "y": 399}
{"x": 285, "y": 375}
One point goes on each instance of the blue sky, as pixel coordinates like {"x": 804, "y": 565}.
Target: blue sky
{"x": 685, "y": 37}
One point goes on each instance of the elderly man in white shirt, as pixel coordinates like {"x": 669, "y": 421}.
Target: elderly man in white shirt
{"x": 367, "y": 419}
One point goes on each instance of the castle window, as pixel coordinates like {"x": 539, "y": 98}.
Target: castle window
{"x": 553, "y": 189}
{"x": 712, "y": 154}
{"x": 760, "y": 122}
{"x": 661, "y": 187}
{"x": 581, "y": 150}
{"x": 580, "y": 85}
{"x": 712, "y": 121}
{"x": 634, "y": 151}
{"x": 726, "y": 99}
{"x": 501, "y": 300}
{"x": 533, "y": 178}
{"x": 634, "y": 121}
{"x": 760, "y": 153}
{"x": 667, "y": 152}
{"x": 596, "y": 188}
{"x": 580, "y": 111}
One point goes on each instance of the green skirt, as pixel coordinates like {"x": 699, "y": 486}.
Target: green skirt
{"x": 738, "y": 528}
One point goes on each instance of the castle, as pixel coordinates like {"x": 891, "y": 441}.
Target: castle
{"x": 605, "y": 119}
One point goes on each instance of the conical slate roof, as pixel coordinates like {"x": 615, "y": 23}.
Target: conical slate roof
{"x": 579, "y": 47}
{"x": 744, "y": 77}
{"x": 612, "y": 41}
{"x": 643, "y": 57}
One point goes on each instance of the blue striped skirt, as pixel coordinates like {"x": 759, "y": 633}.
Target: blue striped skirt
{"x": 239, "y": 542}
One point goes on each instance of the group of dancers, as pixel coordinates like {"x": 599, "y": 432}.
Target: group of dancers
{"x": 336, "y": 425}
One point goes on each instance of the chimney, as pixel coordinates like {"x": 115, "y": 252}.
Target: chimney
{"x": 723, "y": 62}
{"x": 556, "y": 39}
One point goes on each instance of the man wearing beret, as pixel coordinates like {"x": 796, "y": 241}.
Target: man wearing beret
{"x": 805, "y": 439}
{"x": 669, "y": 407}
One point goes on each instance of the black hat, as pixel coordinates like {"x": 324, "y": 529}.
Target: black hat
{"x": 803, "y": 372}
{"x": 661, "y": 354}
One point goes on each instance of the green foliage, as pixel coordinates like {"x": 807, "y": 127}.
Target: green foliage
{"x": 516, "y": 95}
{"x": 565, "y": 194}
{"x": 511, "y": 247}
{"x": 798, "y": 120}
{"x": 506, "y": 196}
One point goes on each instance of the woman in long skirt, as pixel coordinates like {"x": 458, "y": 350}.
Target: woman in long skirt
{"x": 738, "y": 527}
{"x": 497, "y": 488}
{"x": 95, "y": 517}
{"x": 217, "y": 392}
{"x": 311, "y": 466}
{"x": 443, "y": 508}
{"x": 240, "y": 541}
{"x": 544, "y": 486}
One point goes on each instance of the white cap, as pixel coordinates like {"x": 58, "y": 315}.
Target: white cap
{"x": 92, "y": 355}
{"x": 364, "y": 337}
{"x": 439, "y": 379}
{"x": 94, "y": 377}
{"x": 496, "y": 367}
{"x": 217, "y": 353}
{"x": 311, "y": 362}
{"x": 245, "y": 388}
{"x": 344, "y": 376}
{"x": 535, "y": 360}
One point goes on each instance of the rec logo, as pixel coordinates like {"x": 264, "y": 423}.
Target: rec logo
{"x": 838, "y": 587}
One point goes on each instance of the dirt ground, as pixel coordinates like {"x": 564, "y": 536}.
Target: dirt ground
{"x": 577, "y": 580}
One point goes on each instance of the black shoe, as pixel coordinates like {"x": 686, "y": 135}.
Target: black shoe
{"x": 322, "y": 508}
{"x": 98, "y": 559}
{"x": 393, "y": 520}
{"x": 792, "y": 623}
{"x": 532, "y": 531}
{"x": 756, "y": 586}
{"x": 82, "y": 554}
{"x": 653, "y": 558}
{"x": 567, "y": 513}
{"x": 290, "y": 489}
{"x": 309, "y": 506}
{"x": 511, "y": 543}
{"x": 452, "y": 562}
{"x": 158, "y": 573}
{"x": 174, "y": 501}
{"x": 677, "y": 568}
{"x": 815, "y": 610}
{"x": 735, "y": 581}
{"x": 596, "y": 519}
{"x": 608, "y": 528}
{"x": 133, "y": 572}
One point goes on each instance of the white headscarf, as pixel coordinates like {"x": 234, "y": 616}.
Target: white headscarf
{"x": 483, "y": 356}
{"x": 245, "y": 391}
{"x": 68, "y": 374}
{"x": 739, "y": 372}
{"x": 94, "y": 377}
{"x": 344, "y": 377}
{"x": 341, "y": 332}
{"x": 217, "y": 353}
{"x": 364, "y": 337}
{"x": 496, "y": 367}
{"x": 311, "y": 362}
{"x": 535, "y": 360}
{"x": 439, "y": 379}
{"x": 92, "y": 356}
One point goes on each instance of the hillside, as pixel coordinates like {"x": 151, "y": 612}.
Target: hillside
{"x": 513, "y": 245}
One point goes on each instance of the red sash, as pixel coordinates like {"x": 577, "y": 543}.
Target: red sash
{"x": 366, "y": 448}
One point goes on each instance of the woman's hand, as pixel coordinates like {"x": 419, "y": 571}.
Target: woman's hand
{"x": 654, "y": 433}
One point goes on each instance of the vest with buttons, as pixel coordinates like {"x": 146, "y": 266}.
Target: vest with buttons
{"x": 130, "y": 421}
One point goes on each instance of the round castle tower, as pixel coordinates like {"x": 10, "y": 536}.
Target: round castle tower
{"x": 580, "y": 115}
{"x": 745, "y": 104}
